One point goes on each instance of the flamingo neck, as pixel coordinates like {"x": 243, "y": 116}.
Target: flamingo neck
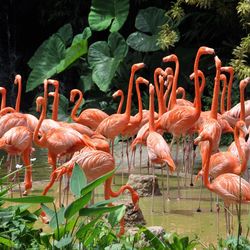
{"x": 55, "y": 105}
{"x": 129, "y": 95}
{"x": 75, "y": 108}
{"x": 174, "y": 87}
{"x": 19, "y": 93}
{"x": 161, "y": 105}
{"x": 108, "y": 192}
{"x": 242, "y": 103}
{"x": 222, "y": 99}
{"x": 120, "y": 104}
{"x": 3, "y": 101}
{"x": 239, "y": 149}
{"x": 7, "y": 110}
{"x": 196, "y": 86}
{"x": 151, "y": 111}
{"x": 40, "y": 142}
{"x": 166, "y": 95}
{"x": 207, "y": 163}
{"x": 229, "y": 90}
{"x": 215, "y": 100}
{"x": 139, "y": 117}
{"x": 45, "y": 95}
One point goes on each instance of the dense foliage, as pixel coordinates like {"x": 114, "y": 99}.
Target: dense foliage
{"x": 92, "y": 44}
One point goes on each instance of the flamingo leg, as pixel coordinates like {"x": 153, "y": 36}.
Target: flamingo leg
{"x": 140, "y": 156}
{"x": 28, "y": 171}
{"x": 163, "y": 191}
{"x": 178, "y": 170}
{"x": 192, "y": 167}
{"x": 153, "y": 188}
{"x": 168, "y": 199}
{"x": 199, "y": 206}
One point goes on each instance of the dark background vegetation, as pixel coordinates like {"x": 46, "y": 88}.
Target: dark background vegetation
{"x": 26, "y": 24}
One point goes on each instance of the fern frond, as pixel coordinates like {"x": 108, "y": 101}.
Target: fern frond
{"x": 239, "y": 62}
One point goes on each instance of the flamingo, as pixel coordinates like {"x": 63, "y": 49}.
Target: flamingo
{"x": 88, "y": 117}
{"x": 230, "y": 187}
{"x": 120, "y": 93}
{"x": 59, "y": 141}
{"x": 233, "y": 115}
{"x": 115, "y": 124}
{"x": 178, "y": 121}
{"x": 94, "y": 163}
{"x": 18, "y": 141}
{"x": 158, "y": 150}
{"x": 243, "y": 144}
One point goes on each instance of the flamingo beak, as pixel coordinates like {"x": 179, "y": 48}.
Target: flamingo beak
{"x": 244, "y": 130}
{"x": 197, "y": 140}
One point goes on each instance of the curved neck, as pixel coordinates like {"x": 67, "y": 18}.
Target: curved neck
{"x": 75, "y": 108}
{"x": 45, "y": 95}
{"x": 3, "y": 101}
{"x": 139, "y": 117}
{"x": 55, "y": 104}
{"x": 207, "y": 163}
{"x": 229, "y": 89}
{"x": 7, "y": 110}
{"x": 166, "y": 94}
{"x": 162, "y": 108}
{"x": 19, "y": 93}
{"x": 119, "y": 110}
{"x": 181, "y": 91}
{"x": 174, "y": 87}
{"x": 239, "y": 149}
{"x": 151, "y": 109}
{"x": 196, "y": 86}
{"x": 242, "y": 102}
{"x": 40, "y": 142}
{"x": 110, "y": 193}
{"x": 222, "y": 98}
{"x": 215, "y": 100}
{"x": 129, "y": 95}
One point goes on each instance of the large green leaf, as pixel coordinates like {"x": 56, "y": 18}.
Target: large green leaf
{"x": 105, "y": 57}
{"x": 97, "y": 210}
{"x": 64, "y": 241}
{"x": 54, "y": 55}
{"x": 148, "y": 22}
{"x": 110, "y": 12}
{"x": 92, "y": 185}
{"x": 31, "y": 199}
{"x": 115, "y": 217}
{"x": 76, "y": 205}
{"x": 58, "y": 217}
{"x": 78, "y": 180}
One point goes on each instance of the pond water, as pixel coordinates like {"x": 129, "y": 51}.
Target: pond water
{"x": 180, "y": 215}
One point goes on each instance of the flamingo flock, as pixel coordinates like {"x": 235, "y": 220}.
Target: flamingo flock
{"x": 87, "y": 140}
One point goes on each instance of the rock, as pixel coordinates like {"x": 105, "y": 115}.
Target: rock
{"x": 132, "y": 217}
{"x": 143, "y": 184}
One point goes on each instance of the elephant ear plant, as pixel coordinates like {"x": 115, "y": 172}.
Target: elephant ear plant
{"x": 71, "y": 226}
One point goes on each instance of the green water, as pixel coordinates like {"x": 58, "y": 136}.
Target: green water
{"x": 180, "y": 215}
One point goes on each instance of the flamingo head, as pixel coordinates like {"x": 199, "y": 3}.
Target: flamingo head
{"x": 18, "y": 78}
{"x": 137, "y": 66}
{"x": 223, "y": 77}
{"x": 200, "y": 74}
{"x": 140, "y": 80}
{"x": 244, "y": 82}
{"x": 135, "y": 200}
{"x": 73, "y": 93}
{"x": 228, "y": 69}
{"x": 119, "y": 92}
{"x": 217, "y": 63}
{"x": 169, "y": 79}
{"x": 40, "y": 101}
{"x": 242, "y": 126}
{"x": 52, "y": 94}
{"x": 170, "y": 58}
{"x": 202, "y": 137}
{"x": 206, "y": 50}
{"x": 169, "y": 71}
{"x": 3, "y": 90}
{"x": 53, "y": 82}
